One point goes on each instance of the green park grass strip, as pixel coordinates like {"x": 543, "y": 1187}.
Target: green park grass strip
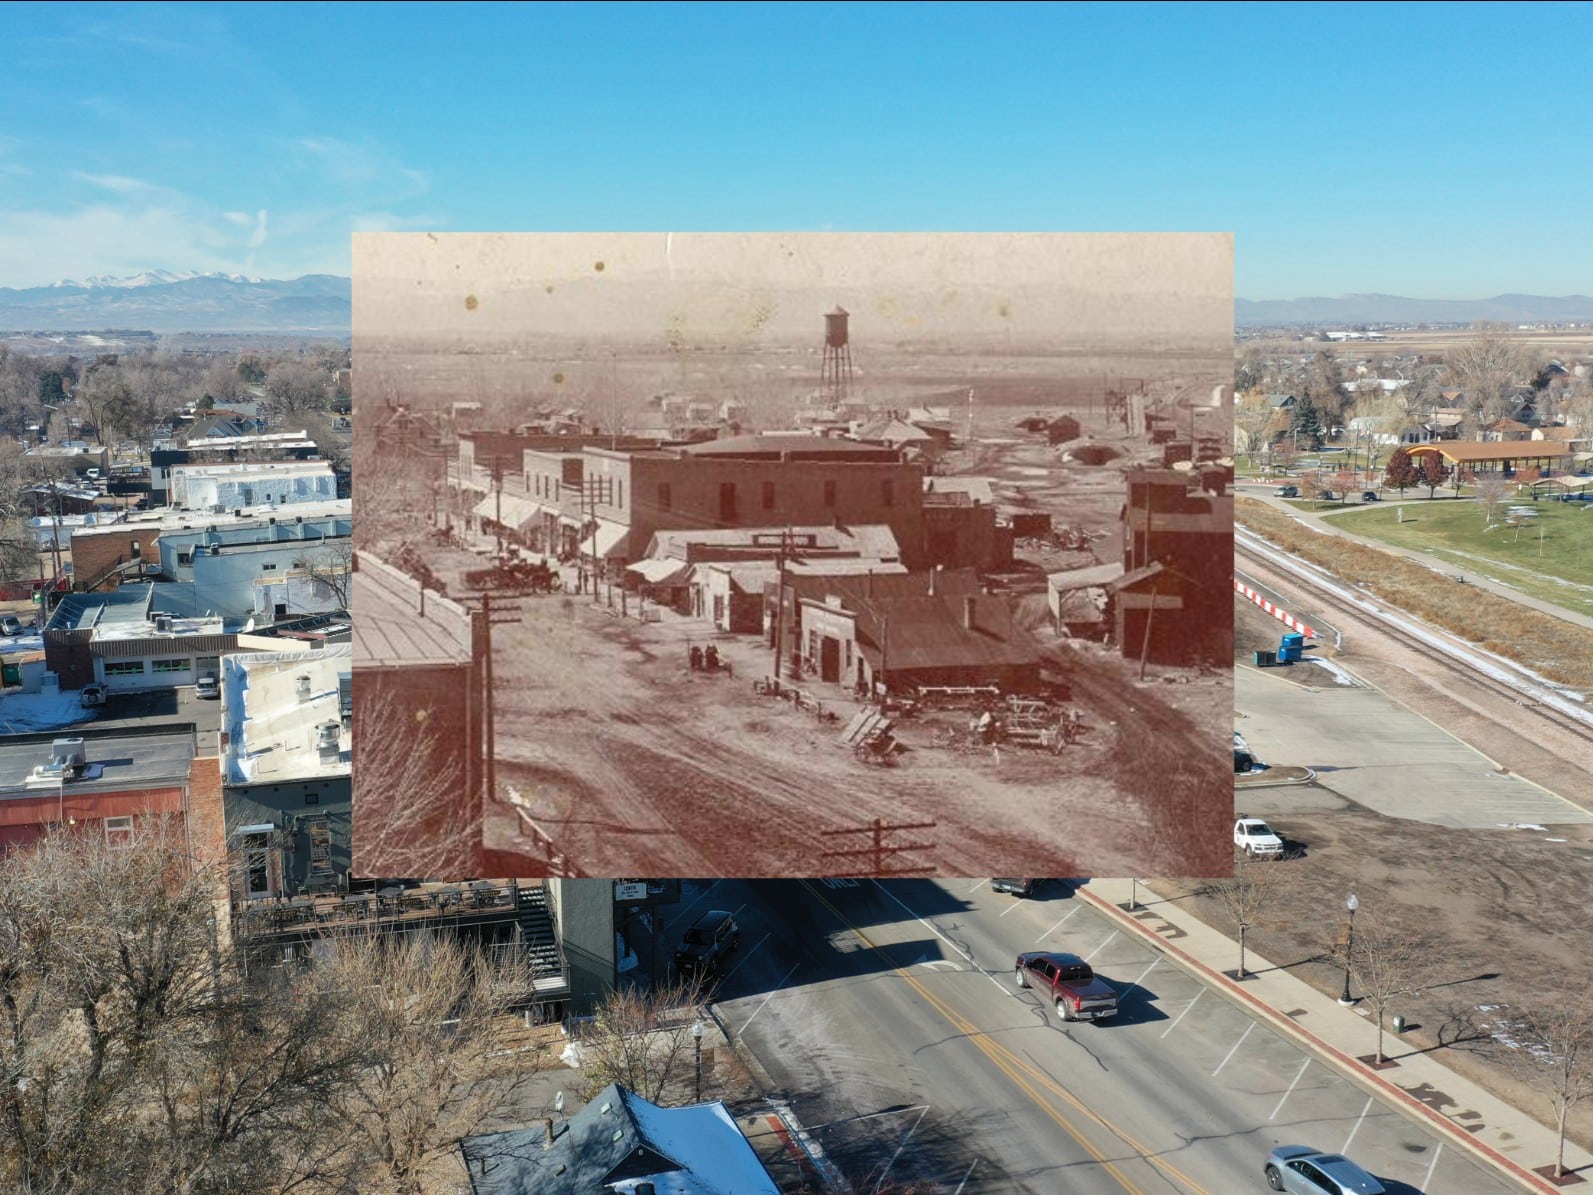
{"x": 1550, "y": 558}
{"x": 1550, "y": 646}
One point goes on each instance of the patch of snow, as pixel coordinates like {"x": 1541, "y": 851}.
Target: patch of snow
{"x": 1340, "y": 677}
{"x": 1522, "y": 826}
{"x": 24, "y": 712}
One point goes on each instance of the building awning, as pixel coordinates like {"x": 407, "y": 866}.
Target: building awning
{"x": 262, "y": 828}
{"x": 1085, "y": 578}
{"x": 660, "y": 572}
{"x": 610, "y": 539}
{"x": 518, "y": 512}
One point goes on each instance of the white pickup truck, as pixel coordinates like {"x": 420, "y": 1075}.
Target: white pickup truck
{"x": 1257, "y": 839}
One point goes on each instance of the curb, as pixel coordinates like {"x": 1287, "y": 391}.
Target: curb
{"x": 1348, "y": 1066}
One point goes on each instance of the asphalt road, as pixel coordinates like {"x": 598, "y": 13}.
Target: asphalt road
{"x": 888, "y": 1016}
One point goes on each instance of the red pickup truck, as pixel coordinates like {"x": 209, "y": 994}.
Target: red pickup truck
{"x": 1079, "y": 994}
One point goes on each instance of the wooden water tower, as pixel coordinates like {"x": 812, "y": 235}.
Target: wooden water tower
{"x": 837, "y": 376}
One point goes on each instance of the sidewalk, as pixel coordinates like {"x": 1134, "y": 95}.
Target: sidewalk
{"x": 1326, "y": 522}
{"x": 1462, "y": 1111}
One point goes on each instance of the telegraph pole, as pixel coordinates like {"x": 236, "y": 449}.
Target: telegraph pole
{"x": 879, "y": 850}
{"x": 490, "y": 617}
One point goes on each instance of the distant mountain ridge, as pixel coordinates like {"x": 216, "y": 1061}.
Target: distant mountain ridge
{"x": 1394, "y": 309}
{"x": 166, "y": 301}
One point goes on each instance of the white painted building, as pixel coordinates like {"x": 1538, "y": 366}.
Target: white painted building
{"x": 249, "y": 483}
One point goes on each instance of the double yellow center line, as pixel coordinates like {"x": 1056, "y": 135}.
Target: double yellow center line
{"x": 1025, "y": 1075}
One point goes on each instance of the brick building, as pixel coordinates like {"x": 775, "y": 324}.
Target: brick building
{"x": 1171, "y": 603}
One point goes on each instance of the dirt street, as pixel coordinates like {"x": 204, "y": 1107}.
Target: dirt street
{"x": 636, "y": 765}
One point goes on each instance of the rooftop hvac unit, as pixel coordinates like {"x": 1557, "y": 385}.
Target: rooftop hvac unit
{"x": 163, "y": 623}
{"x": 303, "y": 684}
{"x": 327, "y": 735}
{"x": 68, "y": 757}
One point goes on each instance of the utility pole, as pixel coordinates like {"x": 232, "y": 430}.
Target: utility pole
{"x": 490, "y": 617}
{"x": 878, "y": 850}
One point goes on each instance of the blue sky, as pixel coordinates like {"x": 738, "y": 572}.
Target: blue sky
{"x": 1430, "y": 150}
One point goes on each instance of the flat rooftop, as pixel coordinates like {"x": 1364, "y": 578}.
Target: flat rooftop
{"x": 395, "y": 626}
{"x": 172, "y": 519}
{"x": 152, "y": 757}
{"x": 274, "y": 703}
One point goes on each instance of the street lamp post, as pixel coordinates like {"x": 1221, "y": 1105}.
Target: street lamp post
{"x": 696, "y": 1037}
{"x": 1351, "y": 904}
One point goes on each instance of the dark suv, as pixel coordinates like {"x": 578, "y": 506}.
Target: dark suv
{"x": 1016, "y": 887}
{"x": 706, "y": 943}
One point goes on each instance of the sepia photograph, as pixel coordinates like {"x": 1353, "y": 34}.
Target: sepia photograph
{"x": 763, "y": 555}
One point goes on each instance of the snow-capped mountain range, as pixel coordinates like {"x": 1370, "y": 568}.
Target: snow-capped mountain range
{"x": 167, "y": 301}
{"x": 149, "y": 278}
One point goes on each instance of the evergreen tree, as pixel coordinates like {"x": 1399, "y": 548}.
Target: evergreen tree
{"x": 1305, "y": 426}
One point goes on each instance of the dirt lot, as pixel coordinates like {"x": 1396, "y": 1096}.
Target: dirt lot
{"x": 636, "y": 765}
{"x": 639, "y": 766}
{"x": 1506, "y": 909}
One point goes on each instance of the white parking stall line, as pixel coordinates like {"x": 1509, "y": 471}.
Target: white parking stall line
{"x": 1011, "y": 907}
{"x": 701, "y": 896}
{"x": 1180, "y": 1016}
{"x": 1058, "y": 925}
{"x": 1101, "y": 947}
{"x": 941, "y": 936}
{"x": 885, "y": 1172}
{"x": 1300, "y": 1074}
{"x": 746, "y": 956}
{"x": 1427, "y": 1183}
{"x": 1234, "y": 1050}
{"x": 1123, "y": 995}
{"x": 965, "y": 1177}
{"x": 978, "y": 884}
{"x": 767, "y": 998}
{"x": 1357, "y": 1127}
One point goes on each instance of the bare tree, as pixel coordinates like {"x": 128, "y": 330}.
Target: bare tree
{"x": 102, "y": 951}
{"x": 431, "y": 1022}
{"x": 295, "y": 388}
{"x": 413, "y": 815}
{"x": 329, "y": 571}
{"x": 1387, "y": 960}
{"x": 1255, "y": 421}
{"x": 1247, "y": 898}
{"x": 1486, "y": 368}
{"x": 1492, "y": 490}
{"x": 643, "y": 1040}
{"x": 1550, "y": 1046}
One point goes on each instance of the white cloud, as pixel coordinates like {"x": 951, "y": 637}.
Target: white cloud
{"x": 258, "y": 236}
{"x": 117, "y": 184}
{"x": 241, "y": 219}
{"x": 392, "y": 222}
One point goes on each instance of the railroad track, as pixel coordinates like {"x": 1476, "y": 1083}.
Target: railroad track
{"x": 1533, "y": 697}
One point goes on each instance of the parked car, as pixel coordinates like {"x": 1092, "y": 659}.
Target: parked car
{"x": 11, "y": 625}
{"x": 92, "y": 474}
{"x": 1327, "y": 496}
{"x": 1016, "y": 887}
{"x": 704, "y": 946}
{"x": 92, "y": 695}
{"x": 1311, "y": 1172}
{"x": 1370, "y": 496}
{"x": 1257, "y": 839}
{"x": 1286, "y": 491}
{"x": 1079, "y": 994}
{"x": 207, "y": 687}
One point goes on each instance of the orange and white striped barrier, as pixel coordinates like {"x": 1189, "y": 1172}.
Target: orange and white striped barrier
{"x": 1281, "y": 615}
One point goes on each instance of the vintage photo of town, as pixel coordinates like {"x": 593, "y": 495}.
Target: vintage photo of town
{"x": 774, "y": 555}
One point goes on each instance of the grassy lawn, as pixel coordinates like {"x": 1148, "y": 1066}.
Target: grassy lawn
{"x": 1550, "y": 558}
